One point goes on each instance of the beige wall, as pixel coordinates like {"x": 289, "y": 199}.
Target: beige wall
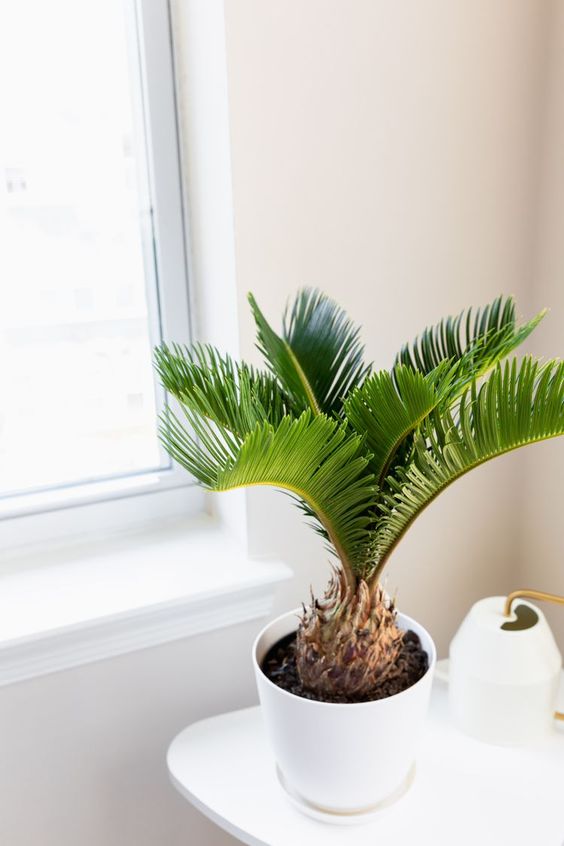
{"x": 542, "y": 515}
{"x": 389, "y": 154}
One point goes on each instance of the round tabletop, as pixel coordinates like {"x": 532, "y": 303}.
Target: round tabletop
{"x": 464, "y": 792}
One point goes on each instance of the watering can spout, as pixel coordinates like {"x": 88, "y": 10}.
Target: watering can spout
{"x": 531, "y": 594}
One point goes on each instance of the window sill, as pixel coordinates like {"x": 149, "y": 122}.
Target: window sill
{"x": 69, "y": 606}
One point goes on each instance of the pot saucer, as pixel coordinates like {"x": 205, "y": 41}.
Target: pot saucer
{"x": 357, "y": 817}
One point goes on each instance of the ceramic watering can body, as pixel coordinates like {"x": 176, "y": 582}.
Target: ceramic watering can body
{"x": 504, "y": 673}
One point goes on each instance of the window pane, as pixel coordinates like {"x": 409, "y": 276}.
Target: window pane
{"x": 78, "y": 314}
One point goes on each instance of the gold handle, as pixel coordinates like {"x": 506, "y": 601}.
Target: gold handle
{"x": 534, "y": 594}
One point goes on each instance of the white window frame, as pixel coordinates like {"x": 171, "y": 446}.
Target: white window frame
{"x": 127, "y": 501}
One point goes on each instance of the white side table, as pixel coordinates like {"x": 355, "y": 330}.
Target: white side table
{"x": 465, "y": 793}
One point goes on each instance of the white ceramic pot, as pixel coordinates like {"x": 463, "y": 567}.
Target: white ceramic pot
{"x": 343, "y": 758}
{"x": 503, "y": 683}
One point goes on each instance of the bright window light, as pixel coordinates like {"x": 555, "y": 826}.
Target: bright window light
{"x": 79, "y": 293}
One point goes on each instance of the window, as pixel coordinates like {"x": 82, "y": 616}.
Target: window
{"x": 92, "y": 257}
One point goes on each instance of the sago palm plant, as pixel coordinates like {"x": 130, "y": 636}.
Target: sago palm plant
{"x": 362, "y": 452}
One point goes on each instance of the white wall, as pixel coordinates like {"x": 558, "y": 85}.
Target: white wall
{"x": 388, "y": 153}
{"x": 83, "y": 751}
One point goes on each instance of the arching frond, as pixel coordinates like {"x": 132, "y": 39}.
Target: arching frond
{"x": 478, "y": 340}
{"x": 319, "y": 357}
{"x": 362, "y": 455}
{"x": 390, "y": 406}
{"x": 234, "y": 396}
{"x": 313, "y": 458}
{"x": 519, "y": 404}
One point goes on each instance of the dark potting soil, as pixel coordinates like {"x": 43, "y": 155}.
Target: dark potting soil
{"x": 412, "y": 662}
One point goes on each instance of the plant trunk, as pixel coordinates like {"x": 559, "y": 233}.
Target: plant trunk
{"x": 348, "y": 642}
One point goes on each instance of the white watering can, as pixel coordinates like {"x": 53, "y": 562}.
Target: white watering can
{"x": 504, "y": 670}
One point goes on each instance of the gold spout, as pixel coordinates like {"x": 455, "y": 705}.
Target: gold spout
{"x": 530, "y": 594}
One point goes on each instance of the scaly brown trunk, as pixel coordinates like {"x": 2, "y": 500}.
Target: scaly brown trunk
{"x": 347, "y": 642}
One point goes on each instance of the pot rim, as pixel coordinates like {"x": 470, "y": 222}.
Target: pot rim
{"x": 374, "y": 702}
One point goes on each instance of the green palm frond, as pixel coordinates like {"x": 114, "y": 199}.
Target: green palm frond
{"x": 388, "y": 407}
{"x": 519, "y": 404}
{"x": 198, "y": 444}
{"x": 363, "y": 455}
{"x": 319, "y": 357}
{"x": 234, "y": 396}
{"x": 312, "y": 457}
{"x": 478, "y": 340}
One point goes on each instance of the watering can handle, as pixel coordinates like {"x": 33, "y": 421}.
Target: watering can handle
{"x": 534, "y": 594}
